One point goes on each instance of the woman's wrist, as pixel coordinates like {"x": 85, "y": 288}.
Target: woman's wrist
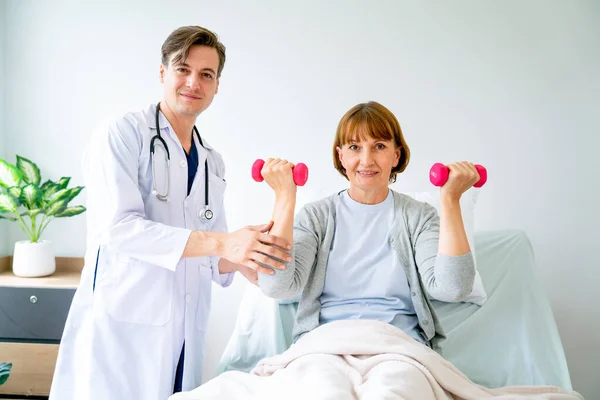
{"x": 285, "y": 196}
{"x": 450, "y": 200}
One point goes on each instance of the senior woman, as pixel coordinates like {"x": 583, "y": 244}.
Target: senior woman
{"x": 369, "y": 252}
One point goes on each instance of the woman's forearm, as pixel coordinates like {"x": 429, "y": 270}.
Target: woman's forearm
{"x": 453, "y": 238}
{"x": 283, "y": 216}
{"x": 283, "y": 283}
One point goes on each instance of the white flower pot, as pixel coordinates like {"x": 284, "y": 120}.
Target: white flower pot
{"x": 33, "y": 259}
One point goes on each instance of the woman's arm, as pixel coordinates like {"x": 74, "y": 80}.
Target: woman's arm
{"x": 445, "y": 277}
{"x": 453, "y": 238}
{"x": 286, "y": 283}
{"x": 283, "y": 215}
{"x": 442, "y": 250}
{"x": 289, "y": 281}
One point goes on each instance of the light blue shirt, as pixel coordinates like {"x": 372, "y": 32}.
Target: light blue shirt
{"x": 364, "y": 278}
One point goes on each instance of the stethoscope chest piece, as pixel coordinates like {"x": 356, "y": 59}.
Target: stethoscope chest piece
{"x": 206, "y": 214}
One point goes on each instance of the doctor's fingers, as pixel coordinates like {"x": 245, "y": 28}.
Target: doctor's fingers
{"x": 259, "y": 268}
{"x": 261, "y": 256}
{"x": 273, "y": 252}
{"x": 261, "y": 228}
{"x": 273, "y": 240}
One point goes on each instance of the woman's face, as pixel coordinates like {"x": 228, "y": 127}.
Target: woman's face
{"x": 369, "y": 162}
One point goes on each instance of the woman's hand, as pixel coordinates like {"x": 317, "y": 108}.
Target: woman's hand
{"x": 278, "y": 174}
{"x": 462, "y": 176}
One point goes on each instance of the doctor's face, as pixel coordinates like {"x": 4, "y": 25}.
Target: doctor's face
{"x": 191, "y": 85}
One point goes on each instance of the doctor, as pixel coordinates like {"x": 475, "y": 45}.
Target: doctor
{"x": 157, "y": 237}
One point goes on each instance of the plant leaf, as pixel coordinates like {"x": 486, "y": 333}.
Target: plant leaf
{"x": 9, "y": 175}
{"x": 64, "y": 182}
{"x": 74, "y": 191}
{"x": 4, "y": 372}
{"x": 31, "y": 196}
{"x": 7, "y": 217}
{"x": 15, "y": 191}
{"x": 65, "y": 194}
{"x": 47, "y": 184}
{"x": 30, "y": 171}
{"x": 8, "y": 203}
{"x": 56, "y": 207}
{"x": 49, "y": 188}
{"x": 32, "y": 213}
{"x": 60, "y": 195}
{"x": 71, "y": 212}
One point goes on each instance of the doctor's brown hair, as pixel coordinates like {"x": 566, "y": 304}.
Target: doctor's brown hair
{"x": 372, "y": 120}
{"x": 180, "y": 40}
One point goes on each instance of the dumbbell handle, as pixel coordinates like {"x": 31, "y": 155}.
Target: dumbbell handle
{"x": 300, "y": 172}
{"x": 438, "y": 175}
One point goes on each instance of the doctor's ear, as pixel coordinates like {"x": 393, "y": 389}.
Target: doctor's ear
{"x": 161, "y": 73}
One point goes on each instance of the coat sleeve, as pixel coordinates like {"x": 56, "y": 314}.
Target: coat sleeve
{"x": 115, "y": 203}
{"x": 220, "y": 225}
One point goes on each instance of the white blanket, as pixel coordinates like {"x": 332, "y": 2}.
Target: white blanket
{"x": 359, "y": 359}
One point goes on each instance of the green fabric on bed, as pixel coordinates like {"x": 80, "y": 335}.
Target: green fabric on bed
{"x": 513, "y": 338}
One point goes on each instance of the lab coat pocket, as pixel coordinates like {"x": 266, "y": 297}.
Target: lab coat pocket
{"x": 204, "y": 297}
{"x": 141, "y": 292}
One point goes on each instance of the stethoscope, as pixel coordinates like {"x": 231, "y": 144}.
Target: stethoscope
{"x": 206, "y": 213}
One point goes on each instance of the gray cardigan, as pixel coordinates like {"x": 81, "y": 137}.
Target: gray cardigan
{"x": 415, "y": 240}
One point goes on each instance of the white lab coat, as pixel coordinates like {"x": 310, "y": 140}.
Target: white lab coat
{"x": 138, "y": 300}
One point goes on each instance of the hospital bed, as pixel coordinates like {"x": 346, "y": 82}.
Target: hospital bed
{"x": 511, "y": 340}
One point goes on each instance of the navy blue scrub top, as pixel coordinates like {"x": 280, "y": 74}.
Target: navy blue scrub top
{"x": 192, "y": 162}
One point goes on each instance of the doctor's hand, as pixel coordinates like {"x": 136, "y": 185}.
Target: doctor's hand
{"x": 462, "y": 176}
{"x": 248, "y": 273}
{"x": 252, "y": 245}
{"x": 279, "y": 175}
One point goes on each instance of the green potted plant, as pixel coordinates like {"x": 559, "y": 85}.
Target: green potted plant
{"x": 32, "y": 207}
{"x": 4, "y": 372}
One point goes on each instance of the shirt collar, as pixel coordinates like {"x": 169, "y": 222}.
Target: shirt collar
{"x": 164, "y": 123}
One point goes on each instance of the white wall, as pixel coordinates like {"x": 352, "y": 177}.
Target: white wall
{"x": 513, "y": 85}
{"x": 4, "y": 240}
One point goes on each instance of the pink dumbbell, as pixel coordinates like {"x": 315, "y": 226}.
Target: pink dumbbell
{"x": 300, "y": 172}
{"x": 438, "y": 175}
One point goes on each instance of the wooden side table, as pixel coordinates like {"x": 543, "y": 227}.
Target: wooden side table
{"x": 33, "y": 312}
